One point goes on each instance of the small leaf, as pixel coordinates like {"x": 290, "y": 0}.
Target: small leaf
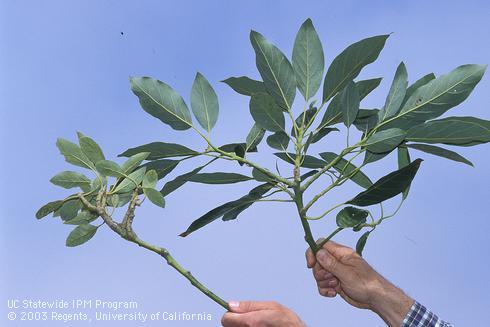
{"x": 73, "y": 154}
{"x": 308, "y": 60}
{"x": 305, "y": 117}
{"x": 150, "y": 179}
{"x": 348, "y": 64}
{"x": 204, "y": 102}
{"x": 81, "y": 234}
{"x": 385, "y": 141}
{"x": 245, "y": 85}
{"x": 71, "y": 179}
{"x": 91, "y": 149}
{"x": 109, "y": 168}
{"x": 154, "y": 196}
{"x": 275, "y": 69}
{"x": 351, "y": 217}
{"x": 162, "y": 102}
{"x": 84, "y": 217}
{"x": 266, "y": 113}
{"x": 403, "y": 161}
{"x": 349, "y": 100}
{"x": 346, "y": 168}
{"x": 48, "y": 208}
{"x": 307, "y": 162}
{"x": 128, "y": 184}
{"x": 69, "y": 209}
{"x": 177, "y": 182}
{"x": 388, "y": 186}
{"x": 318, "y": 135}
{"x": 441, "y": 152}
{"x": 162, "y": 166}
{"x": 361, "y": 243}
{"x": 366, "y": 119}
{"x": 260, "y": 176}
{"x": 396, "y": 95}
{"x": 371, "y": 157}
{"x": 218, "y": 178}
{"x": 278, "y": 140}
{"x": 254, "y": 137}
{"x": 160, "y": 150}
{"x": 134, "y": 161}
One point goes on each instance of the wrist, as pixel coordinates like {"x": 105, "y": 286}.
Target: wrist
{"x": 390, "y": 303}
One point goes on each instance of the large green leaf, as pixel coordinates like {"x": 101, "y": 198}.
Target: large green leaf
{"x": 155, "y": 197}
{"x": 366, "y": 119}
{"x": 71, "y": 179}
{"x": 351, "y": 217}
{"x": 346, "y": 168}
{"x": 84, "y": 217}
{"x": 73, "y": 154}
{"x": 91, "y": 149}
{"x": 48, "y": 208}
{"x": 218, "y": 178}
{"x": 109, "y": 168}
{"x": 441, "y": 152}
{"x": 81, "y": 234}
{"x": 308, "y": 60}
{"x": 178, "y": 181}
{"x": 204, "y": 102}
{"x": 128, "y": 184}
{"x": 385, "y": 141}
{"x": 349, "y": 63}
{"x": 69, "y": 209}
{"x": 275, "y": 69}
{"x": 159, "y": 150}
{"x": 437, "y": 96}
{"x": 163, "y": 166}
{"x": 452, "y": 131}
{"x": 134, "y": 161}
{"x": 254, "y": 137}
{"x": 162, "y": 102}
{"x": 418, "y": 83}
{"x": 349, "y": 101}
{"x": 367, "y": 86}
{"x": 307, "y": 161}
{"x": 266, "y": 113}
{"x": 388, "y": 186}
{"x": 396, "y": 94}
{"x": 403, "y": 160}
{"x": 245, "y": 85}
{"x": 278, "y": 140}
{"x": 229, "y": 210}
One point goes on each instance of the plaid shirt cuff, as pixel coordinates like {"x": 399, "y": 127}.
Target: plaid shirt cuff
{"x": 419, "y": 316}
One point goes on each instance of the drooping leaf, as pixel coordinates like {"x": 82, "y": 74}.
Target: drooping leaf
{"x": 245, "y": 85}
{"x": 441, "y": 152}
{"x": 80, "y": 235}
{"x": 418, "y": 83}
{"x": 349, "y": 63}
{"x": 403, "y": 160}
{"x": 346, "y": 168}
{"x": 396, "y": 94}
{"x": 437, "y": 96}
{"x": 308, "y": 60}
{"x": 154, "y": 196}
{"x": 218, "y": 178}
{"x": 275, "y": 69}
{"x": 84, "y": 217}
{"x": 229, "y": 210}
{"x": 150, "y": 179}
{"x": 361, "y": 243}
{"x": 366, "y": 119}
{"x": 109, "y": 168}
{"x": 307, "y": 161}
{"x": 162, "y": 102}
{"x": 134, "y": 161}
{"x": 266, "y": 113}
{"x": 91, "y": 149}
{"x": 162, "y": 167}
{"x": 452, "y": 131}
{"x": 160, "y": 150}
{"x": 177, "y": 182}
{"x": 204, "y": 102}
{"x": 350, "y": 217}
{"x": 386, "y": 140}
{"x": 278, "y": 140}
{"x": 73, "y": 154}
{"x": 349, "y": 100}
{"x": 71, "y": 179}
{"x": 48, "y": 208}
{"x": 388, "y": 186}
{"x": 254, "y": 137}
{"x": 131, "y": 182}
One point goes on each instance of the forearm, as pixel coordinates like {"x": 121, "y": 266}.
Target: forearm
{"x": 391, "y": 303}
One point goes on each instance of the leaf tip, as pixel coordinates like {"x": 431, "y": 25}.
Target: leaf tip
{"x": 184, "y": 234}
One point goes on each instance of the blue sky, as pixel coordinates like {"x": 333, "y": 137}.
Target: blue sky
{"x": 64, "y": 67}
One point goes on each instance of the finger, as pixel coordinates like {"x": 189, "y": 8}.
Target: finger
{"x": 328, "y": 292}
{"x": 310, "y": 258}
{"x": 249, "y": 306}
{"x": 337, "y": 250}
{"x": 231, "y": 319}
{"x": 319, "y": 273}
{"x": 331, "y": 264}
{"x": 328, "y": 283}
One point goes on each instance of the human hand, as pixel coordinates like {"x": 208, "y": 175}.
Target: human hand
{"x": 340, "y": 270}
{"x": 260, "y": 314}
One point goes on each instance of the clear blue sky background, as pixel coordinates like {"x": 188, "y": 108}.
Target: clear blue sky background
{"x": 64, "y": 66}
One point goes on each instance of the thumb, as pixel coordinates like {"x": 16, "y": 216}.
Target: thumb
{"x": 249, "y": 306}
{"x": 330, "y": 263}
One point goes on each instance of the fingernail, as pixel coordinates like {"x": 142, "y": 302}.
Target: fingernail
{"x": 322, "y": 255}
{"x": 234, "y": 304}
